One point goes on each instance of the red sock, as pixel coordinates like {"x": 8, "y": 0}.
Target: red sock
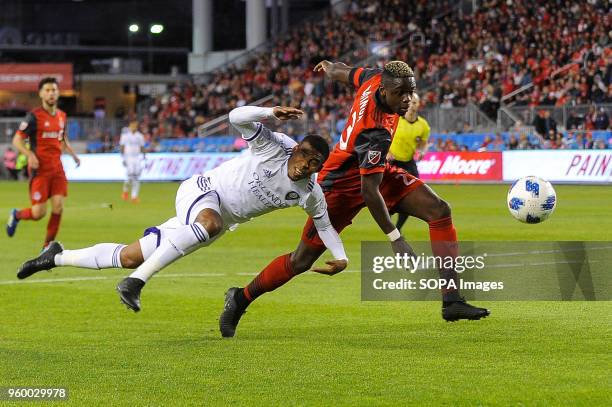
{"x": 443, "y": 238}
{"x": 52, "y": 227}
{"x": 24, "y": 214}
{"x": 277, "y": 273}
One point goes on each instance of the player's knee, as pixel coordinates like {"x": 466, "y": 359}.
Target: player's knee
{"x": 300, "y": 264}
{"x": 212, "y": 224}
{"x": 441, "y": 210}
{"x": 128, "y": 261}
{"x": 38, "y": 214}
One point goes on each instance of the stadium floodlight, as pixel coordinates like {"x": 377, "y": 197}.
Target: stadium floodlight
{"x": 156, "y": 28}
{"x": 133, "y": 28}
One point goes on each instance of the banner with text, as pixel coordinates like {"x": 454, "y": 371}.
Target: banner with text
{"x": 25, "y": 77}
{"x": 461, "y": 166}
{"x": 156, "y": 167}
{"x": 584, "y": 166}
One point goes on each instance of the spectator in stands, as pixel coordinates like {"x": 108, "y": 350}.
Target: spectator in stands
{"x": 601, "y": 120}
{"x": 544, "y": 124}
{"x": 10, "y": 163}
{"x": 513, "y": 143}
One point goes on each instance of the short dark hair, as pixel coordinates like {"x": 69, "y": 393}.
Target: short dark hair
{"x": 318, "y": 143}
{"x": 44, "y": 81}
{"x": 398, "y": 70}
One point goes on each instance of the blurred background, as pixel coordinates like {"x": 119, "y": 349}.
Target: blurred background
{"x": 493, "y": 75}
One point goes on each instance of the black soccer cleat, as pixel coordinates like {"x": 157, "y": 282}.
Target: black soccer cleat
{"x": 45, "y": 261}
{"x": 232, "y": 312}
{"x": 11, "y": 223}
{"x": 457, "y": 310}
{"x": 129, "y": 292}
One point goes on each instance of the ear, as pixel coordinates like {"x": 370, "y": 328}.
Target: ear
{"x": 295, "y": 149}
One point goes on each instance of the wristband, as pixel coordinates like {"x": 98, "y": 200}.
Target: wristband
{"x": 394, "y": 235}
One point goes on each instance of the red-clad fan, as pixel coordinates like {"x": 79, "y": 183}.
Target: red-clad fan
{"x": 44, "y": 129}
{"x": 357, "y": 175}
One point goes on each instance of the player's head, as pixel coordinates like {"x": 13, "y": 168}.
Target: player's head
{"x": 397, "y": 86}
{"x": 413, "y": 107}
{"x": 133, "y": 126}
{"x": 307, "y": 157}
{"x": 48, "y": 90}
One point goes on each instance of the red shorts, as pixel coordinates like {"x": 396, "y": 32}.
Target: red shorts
{"x": 343, "y": 206}
{"x": 44, "y": 186}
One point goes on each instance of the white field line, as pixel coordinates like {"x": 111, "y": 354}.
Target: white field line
{"x": 33, "y": 280}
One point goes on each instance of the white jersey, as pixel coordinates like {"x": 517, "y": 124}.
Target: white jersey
{"x": 132, "y": 143}
{"x": 256, "y": 182}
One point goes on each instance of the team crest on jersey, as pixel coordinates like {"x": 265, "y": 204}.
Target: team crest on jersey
{"x": 23, "y": 126}
{"x": 374, "y": 157}
{"x": 47, "y": 124}
{"x": 292, "y": 196}
{"x": 36, "y": 196}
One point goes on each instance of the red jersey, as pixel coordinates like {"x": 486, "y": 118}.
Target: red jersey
{"x": 45, "y": 132}
{"x": 366, "y": 137}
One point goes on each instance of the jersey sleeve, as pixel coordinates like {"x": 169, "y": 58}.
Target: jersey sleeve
{"x": 269, "y": 143}
{"x": 426, "y": 131}
{"x": 357, "y": 76}
{"x": 315, "y": 205}
{"x": 27, "y": 128}
{"x": 123, "y": 139}
{"x": 371, "y": 147}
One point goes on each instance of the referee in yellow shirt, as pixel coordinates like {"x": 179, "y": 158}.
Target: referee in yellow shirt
{"x": 410, "y": 137}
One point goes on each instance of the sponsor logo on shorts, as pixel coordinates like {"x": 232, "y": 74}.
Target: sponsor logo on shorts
{"x": 36, "y": 196}
{"x": 374, "y": 157}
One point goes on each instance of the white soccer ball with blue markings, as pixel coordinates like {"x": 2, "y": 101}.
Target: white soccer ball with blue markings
{"x": 531, "y": 199}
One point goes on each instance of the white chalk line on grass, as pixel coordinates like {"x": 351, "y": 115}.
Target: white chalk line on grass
{"x": 96, "y": 278}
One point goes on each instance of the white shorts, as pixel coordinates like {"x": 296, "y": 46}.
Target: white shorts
{"x": 133, "y": 167}
{"x": 194, "y": 195}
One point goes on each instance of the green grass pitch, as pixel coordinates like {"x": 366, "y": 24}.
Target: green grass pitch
{"x": 313, "y": 342}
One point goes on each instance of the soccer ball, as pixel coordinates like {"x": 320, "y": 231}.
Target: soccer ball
{"x": 531, "y": 199}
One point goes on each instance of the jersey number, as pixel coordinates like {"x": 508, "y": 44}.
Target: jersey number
{"x": 349, "y": 130}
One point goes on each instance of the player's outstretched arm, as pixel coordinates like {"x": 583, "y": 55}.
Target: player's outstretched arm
{"x": 336, "y": 71}
{"x": 332, "y": 241}
{"x": 246, "y": 118}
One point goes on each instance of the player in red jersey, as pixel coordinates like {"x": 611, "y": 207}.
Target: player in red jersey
{"x": 44, "y": 127}
{"x": 356, "y": 175}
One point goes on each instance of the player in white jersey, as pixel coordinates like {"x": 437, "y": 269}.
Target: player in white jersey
{"x": 275, "y": 172}
{"x": 133, "y": 155}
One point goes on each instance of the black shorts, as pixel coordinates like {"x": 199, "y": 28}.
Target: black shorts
{"x": 409, "y": 166}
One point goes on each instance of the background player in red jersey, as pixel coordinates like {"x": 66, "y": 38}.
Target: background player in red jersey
{"x": 44, "y": 127}
{"x": 356, "y": 175}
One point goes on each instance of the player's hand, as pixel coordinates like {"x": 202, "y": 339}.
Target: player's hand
{"x": 323, "y": 66}
{"x": 33, "y": 161}
{"x": 287, "y": 113}
{"x": 401, "y": 246}
{"x": 77, "y": 161}
{"x": 333, "y": 267}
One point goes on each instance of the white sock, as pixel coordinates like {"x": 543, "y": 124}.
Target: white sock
{"x": 100, "y": 256}
{"x": 135, "y": 188}
{"x": 180, "y": 242}
{"x": 126, "y": 185}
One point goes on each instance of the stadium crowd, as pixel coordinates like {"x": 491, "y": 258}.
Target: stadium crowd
{"x": 563, "y": 40}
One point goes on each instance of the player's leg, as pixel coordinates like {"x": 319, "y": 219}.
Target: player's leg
{"x": 425, "y": 204}
{"x": 200, "y": 224}
{"x": 57, "y": 208}
{"x": 125, "y": 194}
{"x": 277, "y": 273}
{"x": 341, "y": 209}
{"x": 99, "y": 256}
{"x": 39, "y": 193}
